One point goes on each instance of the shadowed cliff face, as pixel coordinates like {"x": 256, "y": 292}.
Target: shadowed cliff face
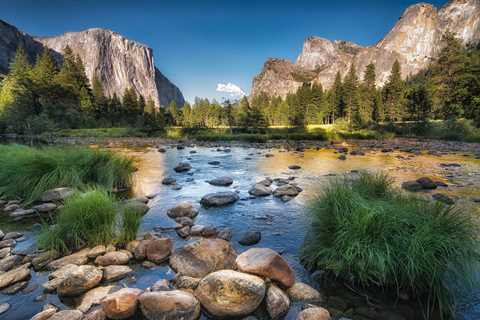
{"x": 414, "y": 41}
{"x": 119, "y": 63}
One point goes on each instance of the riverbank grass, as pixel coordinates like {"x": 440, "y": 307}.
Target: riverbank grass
{"x": 90, "y": 218}
{"x": 27, "y": 172}
{"x": 366, "y": 231}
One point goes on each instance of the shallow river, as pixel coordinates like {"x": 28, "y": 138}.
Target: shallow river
{"x": 283, "y": 225}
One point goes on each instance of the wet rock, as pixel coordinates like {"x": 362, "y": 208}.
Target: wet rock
{"x": 316, "y": 313}
{"x": 5, "y": 252}
{"x": 114, "y": 273}
{"x": 112, "y": 258}
{"x": 161, "y": 150}
{"x": 303, "y": 292}
{"x": 184, "y": 209}
{"x": 57, "y": 276}
{"x": 287, "y": 190}
{"x": 277, "y": 302}
{"x": 281, "y": 181}
{"x": 168, "y": 181}
{"x": 132, "y": 245}
{"x": 184, "y": 221}
{"x": 266, "y": 263}
{"x": 266, "y": 182}
{"x": 260, "y": 190}
{"x": 161, "y": 285}
{"x": 427, "y": 183}
{"x": 7, "y": 243}
{"x": 219, "y": 199}
{"x": 158, "y": 250}
{"x": 183, "y": 232}
{"x": 96, "y": 313}
{"x": 80, "y": 280}
{"x": 229, "y": 293}
{"x": 342, "y": 157}
{"x": 15, "y": 275}
{"x": 12, "y": 235}
{"x": 14, "y": 288}
{"x": 4, "y": 307}
{"x": 169, "y": 305}
{"x": 197, "y": 230}
{"x": 47, "y": 311}
{"x": 45, "y": 207}
{"x": 67, "y": 315}
{"x": 203, "y": 257}
{"x": 443, "y": 198}
{"x": 121, "y": 304}
{"x": 412, "y": 186}
{"x": 225, "y": 234}
{"x": 57, "y": 194}
{"x": 294, "y": 167}
{"x": 250, "y": 238}
{"x": 97, "y": 251}
{"x": 40, "y": 260}
{"x": 209, "y": 231}
{"x": 450, "y": 165}
{"x": 221, "y": 181}
{"x": 140, "y": 251}
{"x": 93, "y": 297}
{"x": 182, "y": 167}
{"x": 186, "y": 282}
{"x": 9, "y": 262}
{"x": 78, "y": 258}
{"x": 214, "y": 163}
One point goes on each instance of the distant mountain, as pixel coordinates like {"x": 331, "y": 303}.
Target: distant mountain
{"x": 119, "y": 63}
{"x": 414, "y": 41}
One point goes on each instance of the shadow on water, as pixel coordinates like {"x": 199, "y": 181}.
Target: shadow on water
{"x": 283, "y": 225}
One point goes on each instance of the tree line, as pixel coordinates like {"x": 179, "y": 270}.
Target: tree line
{"x": 45, "y": 96}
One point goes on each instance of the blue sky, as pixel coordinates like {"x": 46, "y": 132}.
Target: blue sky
{"x": 200, "y": 43}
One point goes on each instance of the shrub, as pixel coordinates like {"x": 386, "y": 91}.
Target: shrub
{"x": 366, "y": 231}
{"x": 27, "y": 172}
{"x": 87, "y": 218}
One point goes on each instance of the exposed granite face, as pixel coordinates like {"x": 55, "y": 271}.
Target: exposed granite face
{"x": 120, "y": 63}
{"x": 414, "y": 41}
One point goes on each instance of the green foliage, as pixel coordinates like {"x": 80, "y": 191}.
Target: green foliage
{"x": 27, "y": 172}
{"x": 394, "y": 94}
{"x": 131, "y": 219}
{"x": 86, "y": 219}
{"x": 367, "y": 232}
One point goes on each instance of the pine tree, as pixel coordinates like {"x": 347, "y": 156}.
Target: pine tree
{"x": 172, "y": 112}
{"x": 45, "y": 69}
{"x": 337, "y": 97}
{"x": 350, "y": 93}
{"x": 394, "y": 94}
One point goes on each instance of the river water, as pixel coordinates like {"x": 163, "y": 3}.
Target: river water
{"x": 283, "y": 224}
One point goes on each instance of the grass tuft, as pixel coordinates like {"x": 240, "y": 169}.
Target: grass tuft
{"x": 369, "y": 233}
{"x": 131, "y": 219}
{"x": 27, "y": 172}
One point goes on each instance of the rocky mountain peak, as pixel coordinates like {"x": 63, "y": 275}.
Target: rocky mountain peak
{"x": 414, "y": 41}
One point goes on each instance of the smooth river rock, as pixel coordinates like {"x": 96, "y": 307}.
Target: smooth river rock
{"x": 158, "y": 250}
{"x": 184, "y": 209}
{"x": 182, "y": 167}
{"x": 121, "y": 304}
{"x": 67, "y": 315}
{"x": 203, "y": 257}
{"x": 219, "y": 199}
{"x": 221, "y": 181}
{"x": 169, "y": 305}
{"x": 112, "y": 258}
{"x": 303, "y": 292}
{"x": 266, "y": 263}
{"x": 15, "y": 275}
{"x": 260, "y": 190}
{"x": 228, "y": 293}
{"x": 316, "y": 313}
{"x": 79, "y": 280}
{"x": 277, "y": 302}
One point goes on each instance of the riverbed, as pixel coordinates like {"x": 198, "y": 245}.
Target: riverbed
{"x": 283, "y": 225}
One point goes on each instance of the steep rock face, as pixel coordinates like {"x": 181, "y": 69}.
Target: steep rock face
{"x": 10, "y": 39}
{"x": 414, "y": 41}
{"x": 120, "y": 63}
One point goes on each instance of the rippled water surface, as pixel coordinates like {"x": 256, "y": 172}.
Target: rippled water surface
{"x": 283, "y": 225}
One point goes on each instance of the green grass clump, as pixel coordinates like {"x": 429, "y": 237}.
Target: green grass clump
{"x": 27, "y": 172}
{"x": 366, "y": 231}
{"x": 87, "y": 218}
{"x": 101, "y": 132}
{"x": 131, "y": 219}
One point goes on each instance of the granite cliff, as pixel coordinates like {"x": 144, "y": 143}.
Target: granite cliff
{"x": 414, "y": 41}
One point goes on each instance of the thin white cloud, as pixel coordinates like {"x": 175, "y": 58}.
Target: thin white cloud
{"x": 230, "y": 88}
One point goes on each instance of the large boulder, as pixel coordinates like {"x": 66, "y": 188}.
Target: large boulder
{"x": 266, "y": 263}
{"x": 219, "y": 199}
{"x": 260, "y": 190}
{"x": 114, "y": 273}
{"x": 112, "y": 258}
{"x": 203, "y": 257}
{"x": 80, "y": 280}
{"x": 169, "y": 305}
{"x": 93, "y": 297}
{"x": 57, "y": 277}
{"x": 184, "y": 209}
{"x": 67, "y": 315}
{"x": 228, "y": 293}
{"x": 78, "y": 258}
{"x": 316, "y": 313}
{"x": 57, "y": 194}
{"x": 158, "y": 250}
{"x": 121, "y": 304}
{"x": 221, "y": 181}
{"x": 303, "y": 292}
{"x": 289, "y": 190}
{"x": 15, "y": 275}
{"x": 277, "y": 302}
